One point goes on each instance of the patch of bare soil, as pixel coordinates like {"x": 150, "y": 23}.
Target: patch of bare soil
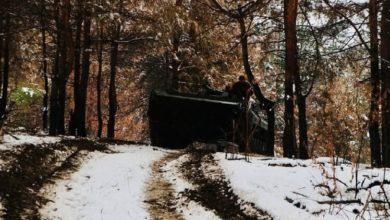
{"x": 160, "y": 195}
{"x": 213, "y": 191}
{"x": 33, "y": 166}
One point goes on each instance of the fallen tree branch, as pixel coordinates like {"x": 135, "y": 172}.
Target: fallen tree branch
{"x": 286, "y": 165}
{"x": 300, "y": 194}
{"x": 375, "y": 183}
{"x": 377, "y": 201}
{"x": 13, "y": 136}
{"x": 336, "y": 202}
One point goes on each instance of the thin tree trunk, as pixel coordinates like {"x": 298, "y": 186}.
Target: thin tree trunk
{"x": 45, "y": 76}
{"x": 64, "y": 63}
{"x": 303, "y": 127}
{"x": 53, "y": 100}
{"x": 265, "y": 103}
{"x": 302, "y": 120}
{"x": 248, "y": 71}
{"x": 99, "y": 83}
{"x": 53, "y": 110}
{"x": 61, "y": 107}
{"x": 6, "y": 67}
{"x": 271, "y": 132}
{"x": 1, "y": 49}
{"x": 61, "y": 85}
{"x": 84, "y": 75}
{"x": 291, "y": 63}
{"x": 112, "y": 101}
{"x": 67, "y": 60}
{"x": 245, "y": 53}
{"x": 374, "y": 116}
{"x": 303, "y": 139}
{"x": 385, "y": 68}
{"x": 74, "y": 120}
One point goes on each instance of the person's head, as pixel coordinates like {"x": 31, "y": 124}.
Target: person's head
{"x": 241, "y": 78}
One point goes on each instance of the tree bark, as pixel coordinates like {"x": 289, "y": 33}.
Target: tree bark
{"x": 61, "y": 107}
{"x": 291, "y": 67}
{"x": 374, "y": 116}
{"x": 245, "y": 60}
{"x": 99, "y": 83}
{"x": 302, "y": 120}
{"x": 85, "y": 75}
{"x": 85, "y": 72}
{"x": 1, "y": 48}
{"x": 265, "y": 103}
{"x": 74, "y": 120}
{"x": 271, "y": 132}
{"x": 63, "y": 67}
{"x": 53, "y": 110}
{"x": 54, "y": 95}
{"x": 6, "y": 67}
{"x": 66, "y": 64}
{"x": 385, "y": 72}
{"x": 112, "y": 100}
{"x": 44, "y": 74}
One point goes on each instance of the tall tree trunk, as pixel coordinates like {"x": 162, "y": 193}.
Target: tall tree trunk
{"x": 374, "y": 116}
{"x": 112, "y": 101}
{"x": 291, "y": 67}
{"x": 45, "y": 75}
{"x": 81, "y": 113}
{"x": 61, "y": 86}
{"x": 385, "y": 68}
{"x": 1, "y": 48}
{"x": 245, "y": 53}
{"x": 271, "y": 131}
{"x": 53, "y": 110}
{"x": 6, "y": 67}
{"x": 302, "y": 119}
{"x": 66, "y": 62}
{"x": 265, "y": 103}
{"x": 99, "y": 83}
{"x": 74, "y": 120}
{"x": 64, "y": 57}
{"x": 61, "y": 107}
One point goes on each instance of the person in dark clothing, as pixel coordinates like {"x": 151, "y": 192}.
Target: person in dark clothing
{"x": 241, "y": 90}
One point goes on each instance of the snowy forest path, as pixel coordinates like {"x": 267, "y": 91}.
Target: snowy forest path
{"x": 160, "y": 194}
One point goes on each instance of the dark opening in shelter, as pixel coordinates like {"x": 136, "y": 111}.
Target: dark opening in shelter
{"x": 178, "y": 119}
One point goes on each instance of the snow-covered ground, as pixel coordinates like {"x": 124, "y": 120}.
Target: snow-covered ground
{"x": 113, "y": 185}
{"x": 295, "y": 192}
{"x": 107, "y": 186}
{"x": 18, "y": 139}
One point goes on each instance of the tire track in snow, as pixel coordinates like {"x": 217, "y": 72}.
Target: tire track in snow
{"x": 160, "y": 194}
{"x": 213, "y": 191}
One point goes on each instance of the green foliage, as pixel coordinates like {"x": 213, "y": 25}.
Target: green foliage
{"x": 26, "y": 96}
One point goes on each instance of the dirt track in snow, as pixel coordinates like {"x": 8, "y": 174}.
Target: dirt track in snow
{"x": 213, "y": 191}
{"x": 160, "y": 195}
